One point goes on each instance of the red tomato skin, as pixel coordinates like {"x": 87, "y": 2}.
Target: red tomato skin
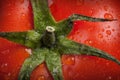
{"x": 61, "y": 9}
{"x": 16, "y": 15}
{"x": 41, "y": 73}
{"x": 12, "y": 57}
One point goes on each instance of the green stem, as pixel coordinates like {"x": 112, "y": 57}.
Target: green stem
{"x": 48, "y": 39}
{"x": 42, "y": 15}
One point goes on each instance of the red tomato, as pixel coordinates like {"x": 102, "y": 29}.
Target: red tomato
{"x": 12, "y": 57}
{"x": 102, "y": 35}
{"x": 15, "y": 15}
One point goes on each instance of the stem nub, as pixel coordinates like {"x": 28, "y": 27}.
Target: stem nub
{"x": 49, "y": 39}
{"x": 50, "y": 29}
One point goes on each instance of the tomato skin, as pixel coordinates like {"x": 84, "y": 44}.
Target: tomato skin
{"x": 12, "y": 57}
{"x": 15, "y": 15}
{"x": 41, "y": 73}
{"x": 61, "y": 9}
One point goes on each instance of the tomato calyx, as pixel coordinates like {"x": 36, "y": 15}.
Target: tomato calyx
{"x": 48, "y": 44}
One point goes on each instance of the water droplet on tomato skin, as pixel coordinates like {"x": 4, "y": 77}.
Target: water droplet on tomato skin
{"x": 41, "y": 77}
{"x": 9, "y": 74}
{"x": 108, "y": 32}
{"x": 70, "y": 60}
{"x": 108, "y": 16}
{"x": 88, "y": 42}
{"x": 4, "y": 65}
{"x": 107, "y": 64}
{"x": 100, "y": 36}
{"x": 23, "y": 14}
{"x": 109, "y": 77}
{"x": 91, "y": 11}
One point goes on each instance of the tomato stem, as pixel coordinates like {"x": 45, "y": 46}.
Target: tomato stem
{"x": 48, "y": 39}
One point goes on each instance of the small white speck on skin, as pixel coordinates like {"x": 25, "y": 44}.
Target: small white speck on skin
{"x": 109, "y": 77}
{"x": 50, "y": 2}
{"x": 5, "y": 64}
{"x": 29, "y": 51}
{"x": 9, "y": 74}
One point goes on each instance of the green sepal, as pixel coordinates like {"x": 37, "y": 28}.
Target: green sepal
{"x": 18, "y": 37}
{"x": 65, "y": 26}
{"x": 69, "y": 47}
{"x": 28, "y": 39}
{"x": 53, "y": 61}
{"x": 31, "y": 63}
{"x": 33, "y": 39}
{"x": 42, "y": 15}
{"x": 87, "y": 18}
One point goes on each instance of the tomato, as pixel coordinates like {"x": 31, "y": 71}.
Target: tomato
{"x": 102, "y": 35}
{"x": 12, "y": 57}
{"x": 14, "y": 15}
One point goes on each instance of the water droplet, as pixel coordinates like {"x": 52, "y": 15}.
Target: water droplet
{"x": 70, "y": 60}
{"x": 23, "y": 15}
{"x": 80, "y": 2}
{"x": 107, "y": 64}
{"x": 5, "y": 64}
{"x": 41, "y": 77}
{"x": 88, "y": 41}
{"x": 109, "y": 77}
{"x": 100, "y": 35}
{"x": 108, "y": 32}
{"x": 108, "y": 16}
{"x": 9, "y": 74}
{"x": 90, "y": 29}
{"x": 105, "y": 8}
{"x": 91, "y": 11}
